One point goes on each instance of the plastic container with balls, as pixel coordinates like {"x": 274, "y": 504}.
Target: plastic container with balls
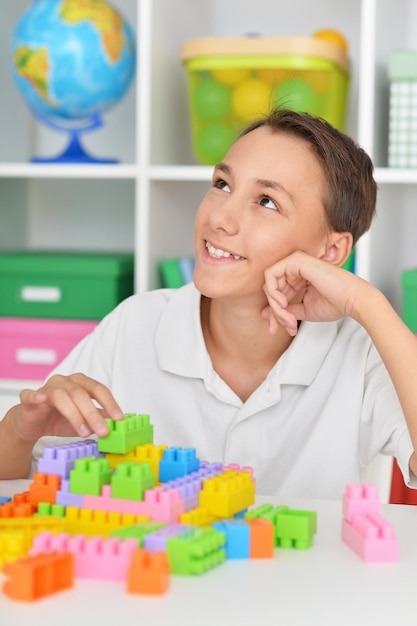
{"x": 232, "y": 81}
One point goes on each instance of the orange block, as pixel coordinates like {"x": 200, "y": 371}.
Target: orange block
{"x": 148, "y": 573}
{"x": 261, "y": 539}
{"x": 37, "y": 576}
{"x": 44, "y": 488}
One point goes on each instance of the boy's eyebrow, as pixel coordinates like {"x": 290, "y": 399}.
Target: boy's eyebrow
{"x": 260, "y": 182}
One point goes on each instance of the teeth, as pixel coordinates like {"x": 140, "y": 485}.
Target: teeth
{"x": 218, "y": 253}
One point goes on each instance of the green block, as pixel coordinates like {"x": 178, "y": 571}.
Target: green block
{"x": 196, "y": 550}
{"x": 125, "y": 435}
{"x": 295, "y": 528}
{"x": 89, "y": 475}
{"x": 46, "y": 509}
{"x": 263, "y": 511}
{"x": 130, "y": 480}
{"x": 138, "y": 532}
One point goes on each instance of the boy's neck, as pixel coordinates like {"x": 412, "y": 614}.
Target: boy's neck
{"x": 240, "y": 347}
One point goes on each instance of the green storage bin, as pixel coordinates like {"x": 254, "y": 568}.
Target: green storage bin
{"x": 409, "y": 285}
{"x": 64, "y": 285}
{"x": 232, "y": 81}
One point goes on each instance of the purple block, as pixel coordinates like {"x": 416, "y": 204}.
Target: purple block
{"x": 60, "y": 460}
{"x": 156, "y": 542}
{"x": 65, "y": 497}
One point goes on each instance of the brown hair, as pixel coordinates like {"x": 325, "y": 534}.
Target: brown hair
{"x": 351, "y": 202}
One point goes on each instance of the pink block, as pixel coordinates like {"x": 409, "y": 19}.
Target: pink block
{"x": 160, "y": 505}
{"x": 371, "y": 538}
{"x": 360, "y": 500}
{"x": 94, "y": 557}
{"x": 31, "y": 348}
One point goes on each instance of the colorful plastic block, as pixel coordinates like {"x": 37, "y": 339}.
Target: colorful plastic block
{"x": 360, "y": 499}
{"x": 131, "y": 480}
{"x": 295, "y": 528}
{"x": 196, "y": 551}
{"x": 189, "y": 488}
{"x": 89, "y": 475}
{"x": 125, "y": 435}
{"x": 177, "y": 462}
{"x": 228, "y": 493}
{"x": 161, "y": 505}
{"x": 237, "y": 534}
{"x": 20, "y": 506}
{"x": 94, "y": 557}
{"x": 262, "y": 538}
{"x": 371, "y": 538}
{"x": 157, "y": 541}
{"x": 48, "y": 509}
{"x": 138, "y": 531}
{"x": 66, "y": 498}
{"x": 13, "y": 546}
{"x": 44, "y": 488}
{"x": 145, "y": 453}
{"x": 60, "y": 460}
{"x": 31, "y": 526}
{"x": 198, "y": 517}
{"x": 37, "y": 576}
{"x": 4, "y": 499}
{"x": 91, "y": 523}
{"x": 148, "y": 573}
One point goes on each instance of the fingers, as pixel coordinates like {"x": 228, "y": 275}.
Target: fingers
{"x": 78, "y": 399}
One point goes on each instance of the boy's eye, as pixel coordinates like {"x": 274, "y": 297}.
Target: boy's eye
{"x": 221, "y": 184}
{"x": 268, "y": 203}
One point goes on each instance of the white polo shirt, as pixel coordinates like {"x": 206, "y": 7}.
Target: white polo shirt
{"x": 324, "y": 411}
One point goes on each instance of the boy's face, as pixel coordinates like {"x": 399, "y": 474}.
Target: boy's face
{"x": 265, "y": 202}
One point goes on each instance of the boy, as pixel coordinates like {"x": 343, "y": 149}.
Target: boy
{"x": 236, "y": 364}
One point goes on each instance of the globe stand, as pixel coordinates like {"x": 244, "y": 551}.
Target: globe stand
{"x": 74, "y": 151}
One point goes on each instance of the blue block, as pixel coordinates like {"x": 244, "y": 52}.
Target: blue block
{"x": 3, "y": 499}
{"x": 237, "y": 533}
{"x": 177, "y": 462}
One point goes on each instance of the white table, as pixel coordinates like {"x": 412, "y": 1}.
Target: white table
{"x": 327, "y": 585}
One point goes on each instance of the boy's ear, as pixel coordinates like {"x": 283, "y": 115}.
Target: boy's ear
{"x": 338, "y": 248}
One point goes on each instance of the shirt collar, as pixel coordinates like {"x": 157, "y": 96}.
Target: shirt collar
{"x": 181, "y": 350}
{"x": 179, "y": 342}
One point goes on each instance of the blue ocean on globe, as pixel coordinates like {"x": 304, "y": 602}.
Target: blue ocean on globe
{"x": 72, "y": 59}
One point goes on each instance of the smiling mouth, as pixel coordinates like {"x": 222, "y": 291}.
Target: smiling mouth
{"x": 218, "y": 253}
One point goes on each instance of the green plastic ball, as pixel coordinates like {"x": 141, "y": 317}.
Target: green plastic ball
{"x": 297, "y": 94}
{"x": 211, "y": 100}
{"x": 212, "y": 142}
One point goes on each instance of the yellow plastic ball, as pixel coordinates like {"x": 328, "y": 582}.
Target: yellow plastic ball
{"x": 333, "y": 36}
{"x": 251, "y": 100}
{"x": 230, "y": 77}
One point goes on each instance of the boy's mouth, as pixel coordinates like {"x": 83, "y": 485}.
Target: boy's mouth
{"x": 218, "y": 253}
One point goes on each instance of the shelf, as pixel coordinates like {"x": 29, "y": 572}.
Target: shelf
{"x": 180, "y": 172}
{"x": 388, "y": 175}
{"x": 43, "y": 170}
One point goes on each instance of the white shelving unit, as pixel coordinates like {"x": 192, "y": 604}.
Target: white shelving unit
{"x": 146, "y": 202}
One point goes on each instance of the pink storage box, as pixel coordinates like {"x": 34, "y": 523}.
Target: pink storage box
{"x": 31, "y": 348}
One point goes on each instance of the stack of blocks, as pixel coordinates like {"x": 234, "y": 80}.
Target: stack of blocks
{"x": 363, "y": 529}
{"x": 126, "y": 509}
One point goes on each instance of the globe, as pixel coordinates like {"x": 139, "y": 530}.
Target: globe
{"x": 72, "y": 60}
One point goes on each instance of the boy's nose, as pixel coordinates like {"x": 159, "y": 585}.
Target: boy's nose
{"x": 226, "y": 217}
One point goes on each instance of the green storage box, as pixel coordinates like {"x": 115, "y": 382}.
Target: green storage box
{"x": 64, "y": 285}
{"x": 409, "y": 285}
{"x": 232, "y": 81}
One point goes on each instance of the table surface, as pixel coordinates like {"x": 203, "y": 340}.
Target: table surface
{"x": 327, "y": 585}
